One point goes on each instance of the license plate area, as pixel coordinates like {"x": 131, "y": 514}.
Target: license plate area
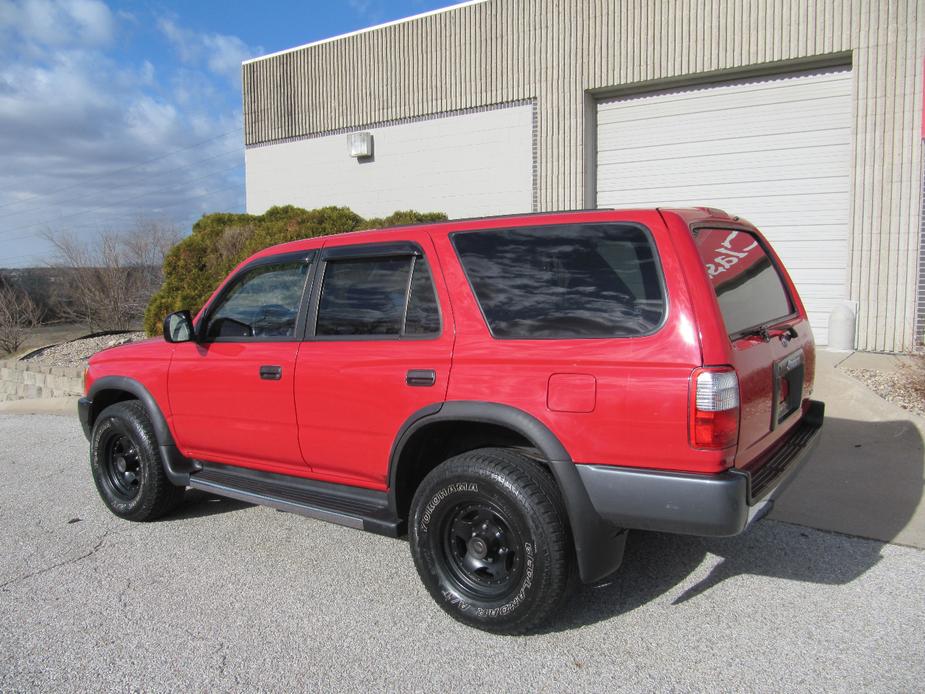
{"x": 788, "y": 387}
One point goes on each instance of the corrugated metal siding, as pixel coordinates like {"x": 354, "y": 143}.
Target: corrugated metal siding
{"x": 920, "y": 312}
{"x": 556, "y": 50}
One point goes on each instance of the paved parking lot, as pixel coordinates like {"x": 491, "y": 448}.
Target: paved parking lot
{"x": 226, "y": 596}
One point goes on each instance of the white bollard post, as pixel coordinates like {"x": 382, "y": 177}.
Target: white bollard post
{"x": 842, "y": 323}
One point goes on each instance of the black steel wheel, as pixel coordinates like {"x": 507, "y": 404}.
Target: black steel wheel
{"x": 122, "y": 466}
{"x": 482, "y": 548}
{"x": 490, "y": 540}
{"x": 126, "y": 464}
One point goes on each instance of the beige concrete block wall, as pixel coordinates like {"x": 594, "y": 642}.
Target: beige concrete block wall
{"x": 20, "y": 379}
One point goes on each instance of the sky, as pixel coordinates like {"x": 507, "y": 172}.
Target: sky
{"x": 117, "y": 112}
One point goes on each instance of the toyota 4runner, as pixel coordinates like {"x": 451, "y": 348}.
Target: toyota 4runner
{"x": 516, "y": 393}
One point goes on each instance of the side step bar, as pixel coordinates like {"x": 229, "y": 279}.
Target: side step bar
{"x": 365, "y": 509}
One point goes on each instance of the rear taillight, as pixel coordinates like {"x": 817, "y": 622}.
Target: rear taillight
{"x": 714, "y": 407}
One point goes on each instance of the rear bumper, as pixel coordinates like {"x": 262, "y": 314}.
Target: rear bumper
{"x": 693, "y": 504}
{"x": 83, "y": 412}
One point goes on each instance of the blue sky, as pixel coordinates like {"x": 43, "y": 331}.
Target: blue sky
{"x": 116, "y": 112}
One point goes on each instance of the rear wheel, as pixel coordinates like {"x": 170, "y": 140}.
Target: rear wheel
{"x": 490, "y": 540}
{"x": 126, "y": 464}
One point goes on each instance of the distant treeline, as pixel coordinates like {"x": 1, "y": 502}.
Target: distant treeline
{"x": 46, "y": 286}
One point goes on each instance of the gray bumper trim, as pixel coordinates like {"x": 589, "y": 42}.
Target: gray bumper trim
{"x": 692, "y": 504}
{"x": 668, "y": 502}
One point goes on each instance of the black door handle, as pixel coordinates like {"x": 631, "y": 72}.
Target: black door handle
{"x": 421, "y": 377}
{"x": 271, "y": 373}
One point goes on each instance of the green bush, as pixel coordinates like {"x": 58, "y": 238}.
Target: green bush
{"x": 195, "y": 266}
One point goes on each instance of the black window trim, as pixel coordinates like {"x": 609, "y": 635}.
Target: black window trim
{"x": 793, "y": 315}
{"x": 660, "y": 277}
{"x": 305, "y": 257}
{"x": 386, "y": 249}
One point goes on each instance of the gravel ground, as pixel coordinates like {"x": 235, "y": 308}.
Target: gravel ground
{"x": 225, "y": 596}
{"x": 904, "y": 387}
{"x": 77, "y": 352}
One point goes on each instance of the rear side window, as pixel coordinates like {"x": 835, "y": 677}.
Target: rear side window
{"x": 747, "y": 284}
{"x": 385, "y": 297}
{"x": 564, "y": 281}
{"x": 423, "y": 316}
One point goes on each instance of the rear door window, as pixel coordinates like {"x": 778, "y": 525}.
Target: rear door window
{"x": 565, "y": 281}
{"x": 748, "y": 286}
{"x": 377, "y": 297}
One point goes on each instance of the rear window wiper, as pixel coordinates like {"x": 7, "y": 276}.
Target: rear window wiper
{"x": 761, "y": 331}
{"x": 765, "y": 334}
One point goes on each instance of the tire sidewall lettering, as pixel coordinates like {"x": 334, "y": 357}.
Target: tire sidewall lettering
{"x": 441, "y": 495}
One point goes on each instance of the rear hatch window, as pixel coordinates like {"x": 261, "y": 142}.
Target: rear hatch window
{"x": 748, "y": 286}
{"x": 564, "y": 281}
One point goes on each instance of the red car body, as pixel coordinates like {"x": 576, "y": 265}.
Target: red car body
{"x": 339, "y": 409}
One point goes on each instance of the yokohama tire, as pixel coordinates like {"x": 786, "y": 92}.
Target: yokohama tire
{"x": 490, "y": 540}
{"x": 126, "y": 464}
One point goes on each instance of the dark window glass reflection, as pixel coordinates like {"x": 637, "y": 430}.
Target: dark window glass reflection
{"x": 587, "y": 280}
{"x": 747, "y": 285}
{"x": 363, "y": 296}
{"x": 423, "y": 317}
{"x": 263, "y": 303}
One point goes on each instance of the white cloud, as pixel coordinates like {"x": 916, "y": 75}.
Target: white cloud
{"x": 92, "y": 142}
{"x": 55, "y": 23}
{"x": 370, "y": 11}
{"x": 221, "y": 54}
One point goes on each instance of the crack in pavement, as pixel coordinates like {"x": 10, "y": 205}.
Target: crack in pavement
{"x": 96, "y": 548}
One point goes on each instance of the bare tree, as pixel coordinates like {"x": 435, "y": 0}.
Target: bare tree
{"x": 109, "y": 279}
{"x": 18, "y": 315}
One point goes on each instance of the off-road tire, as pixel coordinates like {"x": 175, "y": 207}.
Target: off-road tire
{"x": 136, "y": 487}
{"x": 514, "y": 571}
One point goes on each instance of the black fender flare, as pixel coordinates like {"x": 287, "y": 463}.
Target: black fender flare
{"x": 177, "y": 467}
{"x": 598, "y": 544}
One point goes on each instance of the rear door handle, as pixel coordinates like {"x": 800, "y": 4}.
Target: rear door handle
{"x": 421, "y": 377}
{"x": 271, "y": 373}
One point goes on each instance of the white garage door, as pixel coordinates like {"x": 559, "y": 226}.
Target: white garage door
{"x": 775, "y": 151}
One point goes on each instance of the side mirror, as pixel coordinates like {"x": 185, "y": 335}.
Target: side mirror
{"x": 178, "y": 327}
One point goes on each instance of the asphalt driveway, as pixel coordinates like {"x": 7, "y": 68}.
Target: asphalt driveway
{"x": 226, "y": 596}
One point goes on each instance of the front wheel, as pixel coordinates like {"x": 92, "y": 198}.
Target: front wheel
{"x": 490, "y": 540}
{"x": 126, "y": 464}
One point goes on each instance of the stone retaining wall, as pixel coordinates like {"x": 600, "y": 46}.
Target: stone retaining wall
{"x": 23, "y": 379}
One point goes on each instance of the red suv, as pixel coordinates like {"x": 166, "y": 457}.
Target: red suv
{"x": 515, "y": 392}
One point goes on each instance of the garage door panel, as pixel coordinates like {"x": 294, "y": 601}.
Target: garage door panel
{"x": 832, "y": 145}
{"x": 687, "y": 158}
{"x": 758, "y": 209}
{"x": 740, "y": 174}
{"x": 740, "y": 191}
{"x": 775, "y": 151}
{"x": 701, "y": 126}
{"x": 793, "y": 94}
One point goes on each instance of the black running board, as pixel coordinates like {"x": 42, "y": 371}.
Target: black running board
{"x": 355, "y": 507}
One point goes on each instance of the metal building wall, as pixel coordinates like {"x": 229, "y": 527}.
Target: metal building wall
{"x": 562, "y": 52}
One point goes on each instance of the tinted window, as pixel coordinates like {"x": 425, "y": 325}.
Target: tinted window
{"x": 423, "y": 315}
{"x": 747, "y": 285}
{"x": 263, "y": 303}
{"x": 587, "y": 280}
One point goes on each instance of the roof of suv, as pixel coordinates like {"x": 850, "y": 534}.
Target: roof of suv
{"x": 689, "y": 214}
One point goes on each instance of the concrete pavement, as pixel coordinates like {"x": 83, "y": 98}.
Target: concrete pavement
{"x": 223, "y": 596}
{"x": 866, "y": 477}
